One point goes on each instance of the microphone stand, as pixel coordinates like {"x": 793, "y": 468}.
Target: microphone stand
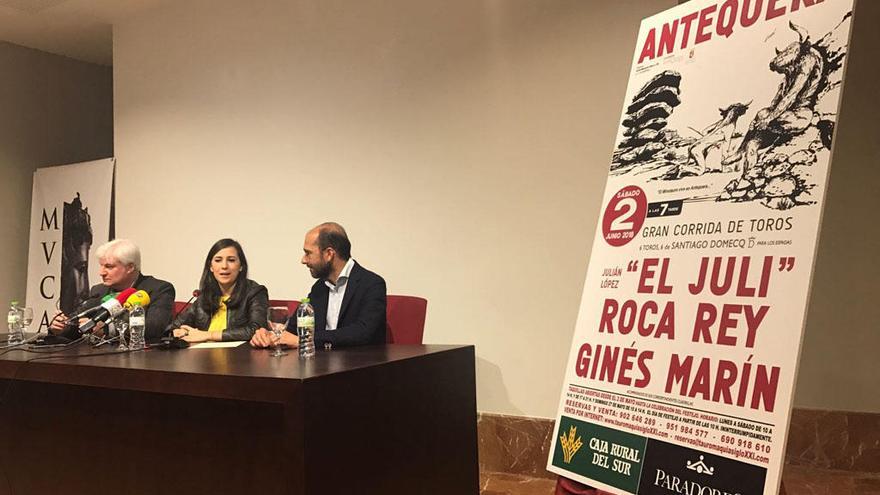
{"x": 169, "y": 341}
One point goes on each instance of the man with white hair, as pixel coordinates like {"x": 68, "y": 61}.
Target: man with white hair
{"x": 120, "y": 269}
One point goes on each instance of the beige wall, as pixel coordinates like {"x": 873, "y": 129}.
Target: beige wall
{"x": 54, "y": 110}
{"x": 839, "y": 363}
{"x": 463, "y": 144}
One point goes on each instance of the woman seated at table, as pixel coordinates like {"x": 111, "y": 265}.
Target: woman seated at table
{"x": 230, "y": 306}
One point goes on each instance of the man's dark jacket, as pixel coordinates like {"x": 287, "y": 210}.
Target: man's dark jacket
{"x": 362, "y": 315}
{"x": 158, "y": 312}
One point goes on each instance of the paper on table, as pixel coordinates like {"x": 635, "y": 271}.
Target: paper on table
{"x": 215, "y": 345}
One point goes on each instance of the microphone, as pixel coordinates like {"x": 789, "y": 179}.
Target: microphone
{"x": 89, "y": 312}
{"x": 196, "y": 293}
{"x": 139, "y": 298}
{"x": 71, "y": 330}
{"x": 108, "y": 310}
{"x": 169, "y": 341}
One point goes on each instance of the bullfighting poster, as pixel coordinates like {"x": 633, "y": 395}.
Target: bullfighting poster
{"x": 70, "y": 217}
{"x": 684, "y": 359}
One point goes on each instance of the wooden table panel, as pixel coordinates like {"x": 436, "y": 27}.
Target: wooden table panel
{"x": 371, "y": 420}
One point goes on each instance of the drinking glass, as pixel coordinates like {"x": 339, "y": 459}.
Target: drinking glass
{"x": 121, "y": 328}
{"x": 278, "y": 316}
{"x": 27, "y": 317}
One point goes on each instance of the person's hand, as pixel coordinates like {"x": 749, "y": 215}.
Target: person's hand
{"x": 262, "y": 338}
{"x": 183, "y": 331}
{"x": 196, "y": 336}
{"x": 289, "y": 339}
{"x": 265, "y": 338}
{"x": 98, "y": 329}
{"x": 59, "y": 321}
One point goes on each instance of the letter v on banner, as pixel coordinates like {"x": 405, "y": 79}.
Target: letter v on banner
{"x": 70, "y": 217}
{"x": 682, "y": 366}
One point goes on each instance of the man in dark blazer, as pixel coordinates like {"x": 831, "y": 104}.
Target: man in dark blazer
{"x": 348, "y": 299}
{"x": 120, "y": 268}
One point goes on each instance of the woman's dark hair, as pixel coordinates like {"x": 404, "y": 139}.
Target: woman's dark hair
{"x": 209, "y": 299}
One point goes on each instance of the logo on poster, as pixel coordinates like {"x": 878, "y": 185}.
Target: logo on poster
{"x": 570, "y": 444}
{"x": 675, "y": 484}
{"x": 700, "y": 467}
{"x": 624, "y": 216}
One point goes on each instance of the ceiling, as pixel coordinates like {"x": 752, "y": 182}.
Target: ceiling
{"x": 80, "y": 29}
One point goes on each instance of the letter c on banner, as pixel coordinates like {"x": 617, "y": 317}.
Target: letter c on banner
{"x": 43, "y": 287}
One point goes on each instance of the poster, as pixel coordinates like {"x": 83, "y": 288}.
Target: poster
{"x": 685, "y": 352}
{"x": 70, "y": 218}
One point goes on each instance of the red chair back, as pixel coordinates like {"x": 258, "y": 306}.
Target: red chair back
{"x": 405, "y": 319}
{"x": 178, "y": 307}
{"x": 291, "y": 305}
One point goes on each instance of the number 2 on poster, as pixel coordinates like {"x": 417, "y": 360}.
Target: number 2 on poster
{"x": 624, "y": 215}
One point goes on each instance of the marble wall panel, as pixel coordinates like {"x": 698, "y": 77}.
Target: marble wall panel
{"x": 514, "y": 444}
{"x": 848, "y": 441}
{"x": 836, "y": 440}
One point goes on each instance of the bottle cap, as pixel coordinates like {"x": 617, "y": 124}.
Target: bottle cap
{"x": 306, "y": 300}
{"x": 14, "y": 303}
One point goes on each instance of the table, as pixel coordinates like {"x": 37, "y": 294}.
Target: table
{"x": 387, "y": 420}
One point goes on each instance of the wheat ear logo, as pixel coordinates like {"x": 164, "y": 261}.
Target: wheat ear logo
{"x": 570, "y": 444}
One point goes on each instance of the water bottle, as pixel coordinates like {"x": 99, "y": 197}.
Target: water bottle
{"x": 137, "y": 321}
{"x": 305, "y": 328}
{"x": 16, "y": 331}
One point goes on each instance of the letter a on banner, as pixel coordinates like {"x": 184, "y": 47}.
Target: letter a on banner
{"x": 684, "y": 358}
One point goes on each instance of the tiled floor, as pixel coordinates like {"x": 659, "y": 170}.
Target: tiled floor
{"x": 798, "y": 481}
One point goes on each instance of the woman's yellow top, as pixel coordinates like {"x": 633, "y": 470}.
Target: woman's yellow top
{"x": 218, "y": 321}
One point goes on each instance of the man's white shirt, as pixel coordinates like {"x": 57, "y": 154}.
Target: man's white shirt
{"x": 337, "y": 293}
